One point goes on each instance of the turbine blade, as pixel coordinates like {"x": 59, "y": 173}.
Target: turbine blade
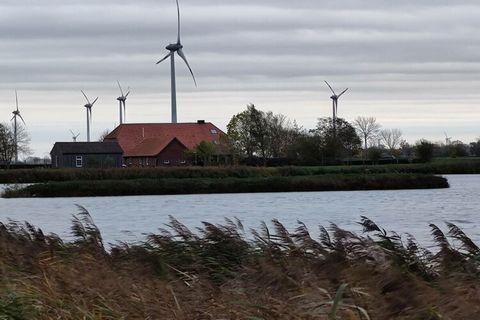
{"x": 330, "y": 87}
{"x": 94, "y": 101}
{"x": 73, "y": 134}
{"x": 16, "y": 99}
{"x": 22, "y": 119}
{"x": 178, "y": 15}
{"x": 342, "y": 92}
{"x": 127, "y": 94}
{"x": 182, "y": 55}
{"x": 168, "y": 55}
{"x": 85, "y": 96}
{"x": 120, "y": 87}
{"x": 13, "y": 117}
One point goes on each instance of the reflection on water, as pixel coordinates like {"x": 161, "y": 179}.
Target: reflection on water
{"x": 129, "y": 218}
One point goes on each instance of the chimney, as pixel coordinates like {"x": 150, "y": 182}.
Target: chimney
{"x": 200, "y": 121}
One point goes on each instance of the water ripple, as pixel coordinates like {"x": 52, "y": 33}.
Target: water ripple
{"x": 405, "y": 211}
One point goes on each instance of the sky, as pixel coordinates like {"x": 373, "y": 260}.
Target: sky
{"x": 414, "y": 65}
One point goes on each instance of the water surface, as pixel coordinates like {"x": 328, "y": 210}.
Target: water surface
{"x": 130, "y": 218}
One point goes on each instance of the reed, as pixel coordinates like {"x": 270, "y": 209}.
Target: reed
{"x": 222, "y": 271}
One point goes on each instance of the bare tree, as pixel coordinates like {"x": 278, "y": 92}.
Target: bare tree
{"x": 368, "y": 129}
{"x": 281, "y": 134}
{"x": 7, "y": 143}
{"x": 23, "y": 141}
{"x": 391, "y": 138}
{"x": 102, "y": 136}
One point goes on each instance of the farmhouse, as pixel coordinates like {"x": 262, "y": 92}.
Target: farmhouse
{"x": 86, "y": 155}
{"x": 165, "y": 144}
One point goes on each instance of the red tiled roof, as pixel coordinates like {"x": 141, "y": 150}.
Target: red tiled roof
{"x": 149, "y": 147}
{"x": 149, "y": 139}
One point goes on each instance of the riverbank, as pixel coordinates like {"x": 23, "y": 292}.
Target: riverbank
{"x": 220, "y": 272}
{"x": 440, "y": 166}
{"x": 169, "y": 186}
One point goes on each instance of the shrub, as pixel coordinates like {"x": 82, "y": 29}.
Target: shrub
{"x": 424, "y": 150}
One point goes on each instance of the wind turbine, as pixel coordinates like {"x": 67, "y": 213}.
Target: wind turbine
{"x": 74, "y": 136}
{"x": 122, "y": 99}
{"x": 88, "y": 106}
{"x": 176, "y": 47}
{"x": 334, "y": 98}
{"x": 16, "y": 113}
{"x": 448, "y": 139}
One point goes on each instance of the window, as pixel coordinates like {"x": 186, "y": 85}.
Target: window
{"x": 78, "y": 161}
{"x": 213, "y": 131}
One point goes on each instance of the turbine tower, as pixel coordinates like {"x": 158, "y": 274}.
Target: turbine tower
{"x": 74, "y": 136}
{"x": 16, "y": 113}
{"x": 334, "y": 98}
{"x": 88, "y": 106}
{"x": 176, "y": 48}
{"x": 122, "y": 100}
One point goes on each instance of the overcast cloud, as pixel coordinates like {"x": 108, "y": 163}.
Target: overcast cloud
{"x": 412, "y": 64}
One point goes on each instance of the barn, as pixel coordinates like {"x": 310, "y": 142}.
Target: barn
{"x": 164, "y": 144}
{"x": 86, "y": 155}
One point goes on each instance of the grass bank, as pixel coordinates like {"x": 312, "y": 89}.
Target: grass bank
{"x": 218, "y": 272}
{"x": 327, "y": 182}
{"x": 441, "y": 166}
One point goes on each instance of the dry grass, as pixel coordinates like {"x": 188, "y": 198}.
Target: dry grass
{"x": 219, "y": 273}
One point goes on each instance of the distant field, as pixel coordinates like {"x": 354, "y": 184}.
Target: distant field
{"x": 438, "y": 166}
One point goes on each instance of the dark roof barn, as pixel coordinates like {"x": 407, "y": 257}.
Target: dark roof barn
{"x": 86, "y": 154}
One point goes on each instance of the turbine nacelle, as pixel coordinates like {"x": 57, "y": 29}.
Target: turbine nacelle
{"x": 123, "y": 102}
{"x": 123, "y": 96}
{"x": 174, "y": 47}
{"x": 88, "y": 106}
{"x": 335, "y": 96}
{"x": 16, "y": 113}
{"x": 74, "y": 136}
